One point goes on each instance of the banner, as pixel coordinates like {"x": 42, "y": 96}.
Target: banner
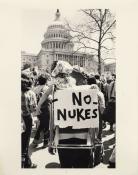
{"x": 76, "y": 107}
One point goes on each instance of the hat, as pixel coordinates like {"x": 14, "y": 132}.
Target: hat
{"x": 91, "y": 80}
{"x": 62, "y": 67}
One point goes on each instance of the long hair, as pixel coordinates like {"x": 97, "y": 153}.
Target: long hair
{"x": 26, "y": 83}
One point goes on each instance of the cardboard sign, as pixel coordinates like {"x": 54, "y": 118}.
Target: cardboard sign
{"x": 76, "y": 107}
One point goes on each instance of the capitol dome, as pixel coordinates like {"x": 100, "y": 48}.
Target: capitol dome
{"x": 57, "y": 36}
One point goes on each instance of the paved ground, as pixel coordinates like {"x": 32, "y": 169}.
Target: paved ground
{"x": 43, "y": 159}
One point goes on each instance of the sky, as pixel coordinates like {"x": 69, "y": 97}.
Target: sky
{"x": 34, "y": 24}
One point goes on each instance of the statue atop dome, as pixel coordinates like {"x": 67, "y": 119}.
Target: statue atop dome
{"x": 57, "y": 15}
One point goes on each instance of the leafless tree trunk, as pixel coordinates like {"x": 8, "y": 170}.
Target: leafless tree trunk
{"x": 97, "y": 31}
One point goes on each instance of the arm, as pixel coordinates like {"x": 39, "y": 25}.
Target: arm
{"x": 101, "y": 101}
{"x": 32, "y": 102}
{"x": 44, "y": 98}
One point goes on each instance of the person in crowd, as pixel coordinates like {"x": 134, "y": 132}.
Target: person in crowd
{"x": 103, "y": 79}
{"x": 112, "y": 100}
{"x": 43, "y": 115}
{"x": 28, "y": 106}
{"x": 113, "y": 77}
{"x": 99, "y": 83}
{"x": 106, "y": 89}
{"x": 110, "y": 112}
{"x": 41, "y": 87}
{"x": 101, "y": 100}
{"x": 112, "y": 158}
{"x": 112, "y": 163}
{"x": 34, "y": 75}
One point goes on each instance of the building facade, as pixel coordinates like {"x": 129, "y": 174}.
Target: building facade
{"x": 110, "y": 68}
{"x": 29, "y": 59}
{"x": 57, "y": 45}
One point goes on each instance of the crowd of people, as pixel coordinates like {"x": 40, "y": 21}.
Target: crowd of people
{"x": 36, "y": 98}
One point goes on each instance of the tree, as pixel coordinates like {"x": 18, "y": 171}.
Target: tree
{"x": 96, "y": 33}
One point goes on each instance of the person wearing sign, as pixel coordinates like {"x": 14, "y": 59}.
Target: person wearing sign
{"x": 69, "y": 158}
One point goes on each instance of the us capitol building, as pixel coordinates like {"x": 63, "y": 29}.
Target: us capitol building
{"x": 57, "y": 45}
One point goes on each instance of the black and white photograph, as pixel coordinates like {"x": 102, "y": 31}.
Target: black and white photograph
{"x": 68, "y": 89}
{"x": 68, "y": 92}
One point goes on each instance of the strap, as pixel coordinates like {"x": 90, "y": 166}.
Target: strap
{"x": 51, "y": 124}
{"x": 112, "y": 89}
{"x": 42, "y": 89}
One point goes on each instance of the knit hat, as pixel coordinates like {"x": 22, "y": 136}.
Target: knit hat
{"x": 62, "y": 67}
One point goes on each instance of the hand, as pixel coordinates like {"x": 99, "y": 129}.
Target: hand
{"x": 38, "y": 111}
{"x": 23, "y": 127}
{"x": 50, "y": 98}
{"x": 51, "y": 150}
{"x": 94, "y": 86}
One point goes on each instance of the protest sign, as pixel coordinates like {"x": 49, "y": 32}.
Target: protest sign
{"x": 76, "y": 107}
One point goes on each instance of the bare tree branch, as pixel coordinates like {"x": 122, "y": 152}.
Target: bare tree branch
{"x": 91, "y": 15}
{"x": 84, "y": 36}
{"x": 104, "y": 15}
{"x": 110, "y": 38}
{"x": 96, "y": 30}
{"x": 104, "y": 47}
{"x": 86, "y": 47}
{"x": 108, "y": 28}
{"x": 78, "y": 50}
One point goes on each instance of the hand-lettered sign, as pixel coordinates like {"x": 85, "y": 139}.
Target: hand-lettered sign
{"x": 76, "y": 107}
